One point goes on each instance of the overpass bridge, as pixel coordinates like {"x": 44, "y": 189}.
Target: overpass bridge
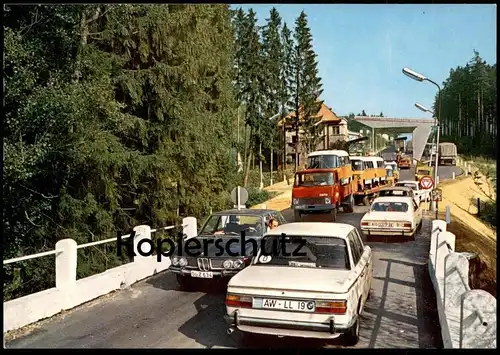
{"x": 148, "y": 310}
{"x": 420, "y": 128}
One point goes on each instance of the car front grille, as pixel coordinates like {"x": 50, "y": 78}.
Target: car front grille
{"x": 204, "y": 264}
{"x": 312, "y": 201}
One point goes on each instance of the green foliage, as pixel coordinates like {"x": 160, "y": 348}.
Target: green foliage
{"x": 469, "y": 108}
{"x": 256, "y": 196}
{"x": 114, "y": 116}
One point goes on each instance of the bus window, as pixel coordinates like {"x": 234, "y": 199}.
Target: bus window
{"x": 357, "y": 165}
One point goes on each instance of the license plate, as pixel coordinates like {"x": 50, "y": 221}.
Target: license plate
{"x": 202, "y": 274}
{"x": 289, "y": 305}
{"x": 300, "y": 206}
{"x": 384, "y": 225}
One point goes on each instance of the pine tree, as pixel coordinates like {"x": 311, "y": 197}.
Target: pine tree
{"x": 363, "y": 113}
{"x": 307, "y": 86}
{"x": 286, "y": 82}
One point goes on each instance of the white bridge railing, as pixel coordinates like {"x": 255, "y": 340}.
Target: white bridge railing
{"x": 467, "y": 317}
{"x": 70, "y": 292}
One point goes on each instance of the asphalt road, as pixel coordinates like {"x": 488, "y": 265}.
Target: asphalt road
{"x": 154, "y": 313}
{"x": 444, "y": 171}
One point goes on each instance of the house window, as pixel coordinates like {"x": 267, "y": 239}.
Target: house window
{"x": 335, "y": 130}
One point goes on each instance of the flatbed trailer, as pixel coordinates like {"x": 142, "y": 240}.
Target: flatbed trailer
{"x": 366, "y": 196}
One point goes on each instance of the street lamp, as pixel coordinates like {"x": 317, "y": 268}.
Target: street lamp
{"x": 419, "y": 77}
{"x": 436, "y": 153}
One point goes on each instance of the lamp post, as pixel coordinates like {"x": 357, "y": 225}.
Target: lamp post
{"x": 419, "y": 77}
{"x": 424, "y": 109}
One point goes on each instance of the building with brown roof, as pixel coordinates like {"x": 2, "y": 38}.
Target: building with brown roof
{"x": 334, "y": 129}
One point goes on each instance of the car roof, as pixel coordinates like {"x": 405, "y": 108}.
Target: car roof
{"x": 406, "y": 199}
{"x": 359, "y": 158}
{"x": 318, "y": 229}
{"x": 397, "y": 188}
{"x": 341, "y": 153}
{"x": 245, "y": 212}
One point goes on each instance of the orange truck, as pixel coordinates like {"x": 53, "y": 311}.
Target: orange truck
{"x": 324, "y": 186}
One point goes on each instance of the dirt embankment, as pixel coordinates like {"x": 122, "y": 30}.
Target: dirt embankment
{"x": 472, "y": 235}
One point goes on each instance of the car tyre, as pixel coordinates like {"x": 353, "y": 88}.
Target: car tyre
{"x": 351, "y": 338}
{"x": 184, "y": 282}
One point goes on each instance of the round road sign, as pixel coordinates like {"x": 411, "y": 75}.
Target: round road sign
{"x": 426, "y": 182}
{"x": 243, "y": 195}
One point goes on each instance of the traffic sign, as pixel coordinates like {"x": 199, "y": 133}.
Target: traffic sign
{"x": 239, "y": 196}
{"x": 437, "y": 195}
{"x": 426, "y": 182}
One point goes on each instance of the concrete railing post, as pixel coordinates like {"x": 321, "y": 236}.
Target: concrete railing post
{"x": 442, "y": 251}
{"x": 66, "y": 263}
{"x": 142, "y": 242}
{"x": 478, "y": 320}
{"x": 438, "y": 226}
{"x": 189, "y": 227}
{"x": 456, "y": 279}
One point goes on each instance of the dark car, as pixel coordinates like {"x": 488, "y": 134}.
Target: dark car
{"x": 220, "y": 250}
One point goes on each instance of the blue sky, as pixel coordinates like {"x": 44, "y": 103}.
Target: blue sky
{"x": 363, "y": 48}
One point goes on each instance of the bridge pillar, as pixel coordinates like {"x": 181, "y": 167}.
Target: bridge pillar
{"x": 189, "y": 227}
{"x": 66, "y": 263}
{"x": 142, "y": 235}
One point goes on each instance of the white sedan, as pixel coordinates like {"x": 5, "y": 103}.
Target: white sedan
{"x": 309, "y": 280}
{"x": 392, "y": 216}
{"x": 421, "y": 194}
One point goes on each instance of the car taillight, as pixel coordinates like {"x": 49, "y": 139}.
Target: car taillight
{"x": 335, "y": 307}
{"x": 238, "y": 301}
{"x": 406, "y": 225}
{"x": 364, "y": 223}
{"x": 246, "y": 260}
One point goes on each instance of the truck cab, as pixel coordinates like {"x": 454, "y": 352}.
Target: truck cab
{"x": 317, "y": 191}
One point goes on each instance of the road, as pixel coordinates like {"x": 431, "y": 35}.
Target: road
{"x": 444, "y": 171}
{"x": 154, "y": 313}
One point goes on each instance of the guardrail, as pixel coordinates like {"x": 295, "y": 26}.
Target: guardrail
{"x": 467, "y": 317}
{"x": 70, "y": 292}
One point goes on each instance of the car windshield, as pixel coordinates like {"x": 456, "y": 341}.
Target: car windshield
{"x": 357, "y": 165}
{"x": 323, "y": 162}
{"x": 233, "y": 224}
{"x": 411, "y": 186}
{"x": 309, "y": 252}
{"x": 313, "y": 179}
{"x": 389, "y": 207}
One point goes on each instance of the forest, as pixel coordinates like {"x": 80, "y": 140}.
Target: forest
{"x": 121, "y": 115}
{"x": 469, "y": 108}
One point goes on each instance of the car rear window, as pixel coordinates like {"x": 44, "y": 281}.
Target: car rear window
{"x": 389, "y": 207}
{"x": 393, "y": 193}
{"x": 298, "y": 251}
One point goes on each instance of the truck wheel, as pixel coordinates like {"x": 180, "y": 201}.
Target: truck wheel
{"x": 333, "y": 215}
{"x": 366, "y": 201}
{"x": 349, "y": 206}
{"x": 184, "y": 282}
{"x": 351, "y": 338}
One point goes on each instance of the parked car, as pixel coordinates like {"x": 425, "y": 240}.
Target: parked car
{"x": 392, "y": 216}
{"x": 398, "y": 191}
{"x": 216, "y": 262}
{"x": 318, "y": 295}
{"x": 421, "y": 194}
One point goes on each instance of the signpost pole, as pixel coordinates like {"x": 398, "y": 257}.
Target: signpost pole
{"x": 238, "y": 197}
